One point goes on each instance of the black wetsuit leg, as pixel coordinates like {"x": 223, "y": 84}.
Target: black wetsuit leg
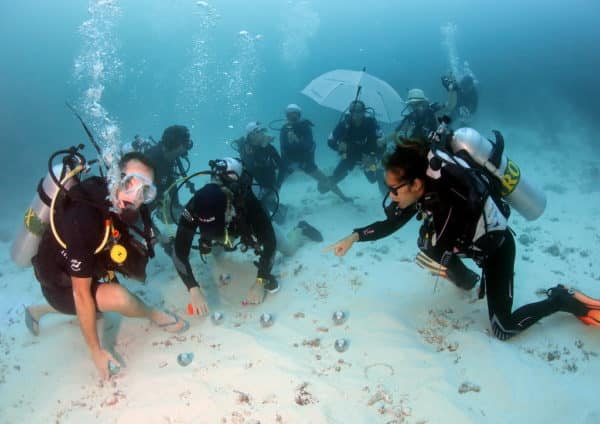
{"x": 498, "y": 271}
{"x": 342, "y": 169}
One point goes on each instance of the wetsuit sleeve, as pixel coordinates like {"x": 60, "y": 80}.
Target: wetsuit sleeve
{"x": 381, "y": 229}
{"x": 306, "y": 134}
{"x": 335, "y": 137}
{"x": 183, "y": 244}
{"x": 82, "y": 236}
{"x": 262, "y": 229}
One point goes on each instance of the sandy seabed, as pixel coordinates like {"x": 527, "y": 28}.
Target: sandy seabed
{"x": 420, "y": 350}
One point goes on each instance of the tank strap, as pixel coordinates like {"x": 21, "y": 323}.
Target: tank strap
{"x": 43, "y": 196}
{"x": 497, "y": 149}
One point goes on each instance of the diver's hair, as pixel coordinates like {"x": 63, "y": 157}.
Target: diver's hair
{"x": 175, "y": 136}
{"x": 355, "y": 103}
{"x": 140, "y": 157}
{"x": 408, "y": 161}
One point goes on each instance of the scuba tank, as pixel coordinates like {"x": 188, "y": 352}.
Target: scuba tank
{"x": 37, "y": 216}
{"x": 523, "y": 196}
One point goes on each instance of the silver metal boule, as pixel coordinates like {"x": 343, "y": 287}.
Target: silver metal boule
{"x": 339, "y": 317}
{"x": 184, "y": 359}
{"x": 225, "y": 278}
{"x": 113, "y": 368}
{"x": 341, "y": 345}
{"x": 266, "y": 320}
{"x": 217, "y": 318}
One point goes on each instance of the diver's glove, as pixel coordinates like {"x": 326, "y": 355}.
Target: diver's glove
{"x": 434, "y": 267}
{"x": 449, "y": 82}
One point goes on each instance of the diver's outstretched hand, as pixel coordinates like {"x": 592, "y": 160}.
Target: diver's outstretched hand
{"x": 341, "y": 247}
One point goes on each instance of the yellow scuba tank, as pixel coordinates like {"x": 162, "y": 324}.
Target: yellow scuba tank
{"x": 37, "y": 216}
{"x": 523, "y": 196}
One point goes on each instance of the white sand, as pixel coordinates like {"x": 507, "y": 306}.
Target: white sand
{"x": 410, "y": 349}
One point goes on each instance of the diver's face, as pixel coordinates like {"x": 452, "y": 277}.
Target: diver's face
{"x": 418, "y": 106}
{"x": 402, "y": 191}
{"x": 259, "y": 138}
{"x": 292, "y": 117}
{"x": 357, "y": 115}
{"x": 137, "y": 186}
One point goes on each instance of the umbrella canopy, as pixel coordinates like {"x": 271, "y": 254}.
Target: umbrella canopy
{"x": 336, "y": 89}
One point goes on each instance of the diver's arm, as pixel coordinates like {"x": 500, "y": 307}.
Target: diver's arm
{"x": 86, "y": 311}
{"x": 85, "y": 308}
{"x": 381, "y": 229}
{"x": 335, "y": 137}
{"x": 183, "y": 244}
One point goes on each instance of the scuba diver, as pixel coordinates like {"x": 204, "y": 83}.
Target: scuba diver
{"x": 462, "y": 215}
{"x": 422, "y": 117}
{"x": 463, "y": 98}
{"x": 297, "y": 148}
{"x": 91, "y": 237}
{"x": 263, "y": 162}
{"x": 355, "y": 138}
{"x": 167, "y": 155}
{"x": 223, "y": 210}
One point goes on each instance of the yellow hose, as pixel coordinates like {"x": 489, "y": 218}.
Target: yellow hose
{"x": 67, "y": 177}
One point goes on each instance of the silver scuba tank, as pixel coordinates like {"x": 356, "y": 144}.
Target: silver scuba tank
{"x": 37, "y": 218}
{"x": 523, "y": 196}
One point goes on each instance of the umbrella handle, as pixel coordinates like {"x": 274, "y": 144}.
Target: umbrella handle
{"x": 359, "y": 88}
{"x": 358, "y": 93}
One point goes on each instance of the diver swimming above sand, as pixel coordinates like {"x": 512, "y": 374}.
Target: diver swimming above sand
{"x": 462, "y": 216}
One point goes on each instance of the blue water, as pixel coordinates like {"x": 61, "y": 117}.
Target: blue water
{"x": 179, "y": 61}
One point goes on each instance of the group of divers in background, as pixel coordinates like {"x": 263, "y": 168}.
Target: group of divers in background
{"x": 79, "y": 233}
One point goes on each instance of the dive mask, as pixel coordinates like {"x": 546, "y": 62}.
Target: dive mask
{"x": 136, "y": 186}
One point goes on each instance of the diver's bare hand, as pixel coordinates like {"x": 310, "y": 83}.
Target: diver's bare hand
{"x": 341, "y": 247}
{"x": 101, "y": 358}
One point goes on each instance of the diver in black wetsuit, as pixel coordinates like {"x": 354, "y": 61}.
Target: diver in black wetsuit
{"x": 421, "y": 119}
{"x": 297, "y": 147}
{"x": 463, "y": 98}
{"x": 222, "y": 216}
{"x": 355, "y": 138}
{"x": 263, "y": 162}
{"x": 461, "y": 218}
{"x": 174, "y": 144}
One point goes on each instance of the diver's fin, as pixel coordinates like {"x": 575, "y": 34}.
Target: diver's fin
{"x": 310, "y": 232}
{"x": 585, "y": 308}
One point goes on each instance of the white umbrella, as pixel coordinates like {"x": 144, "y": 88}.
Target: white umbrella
{"x": 336, "y": 89}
